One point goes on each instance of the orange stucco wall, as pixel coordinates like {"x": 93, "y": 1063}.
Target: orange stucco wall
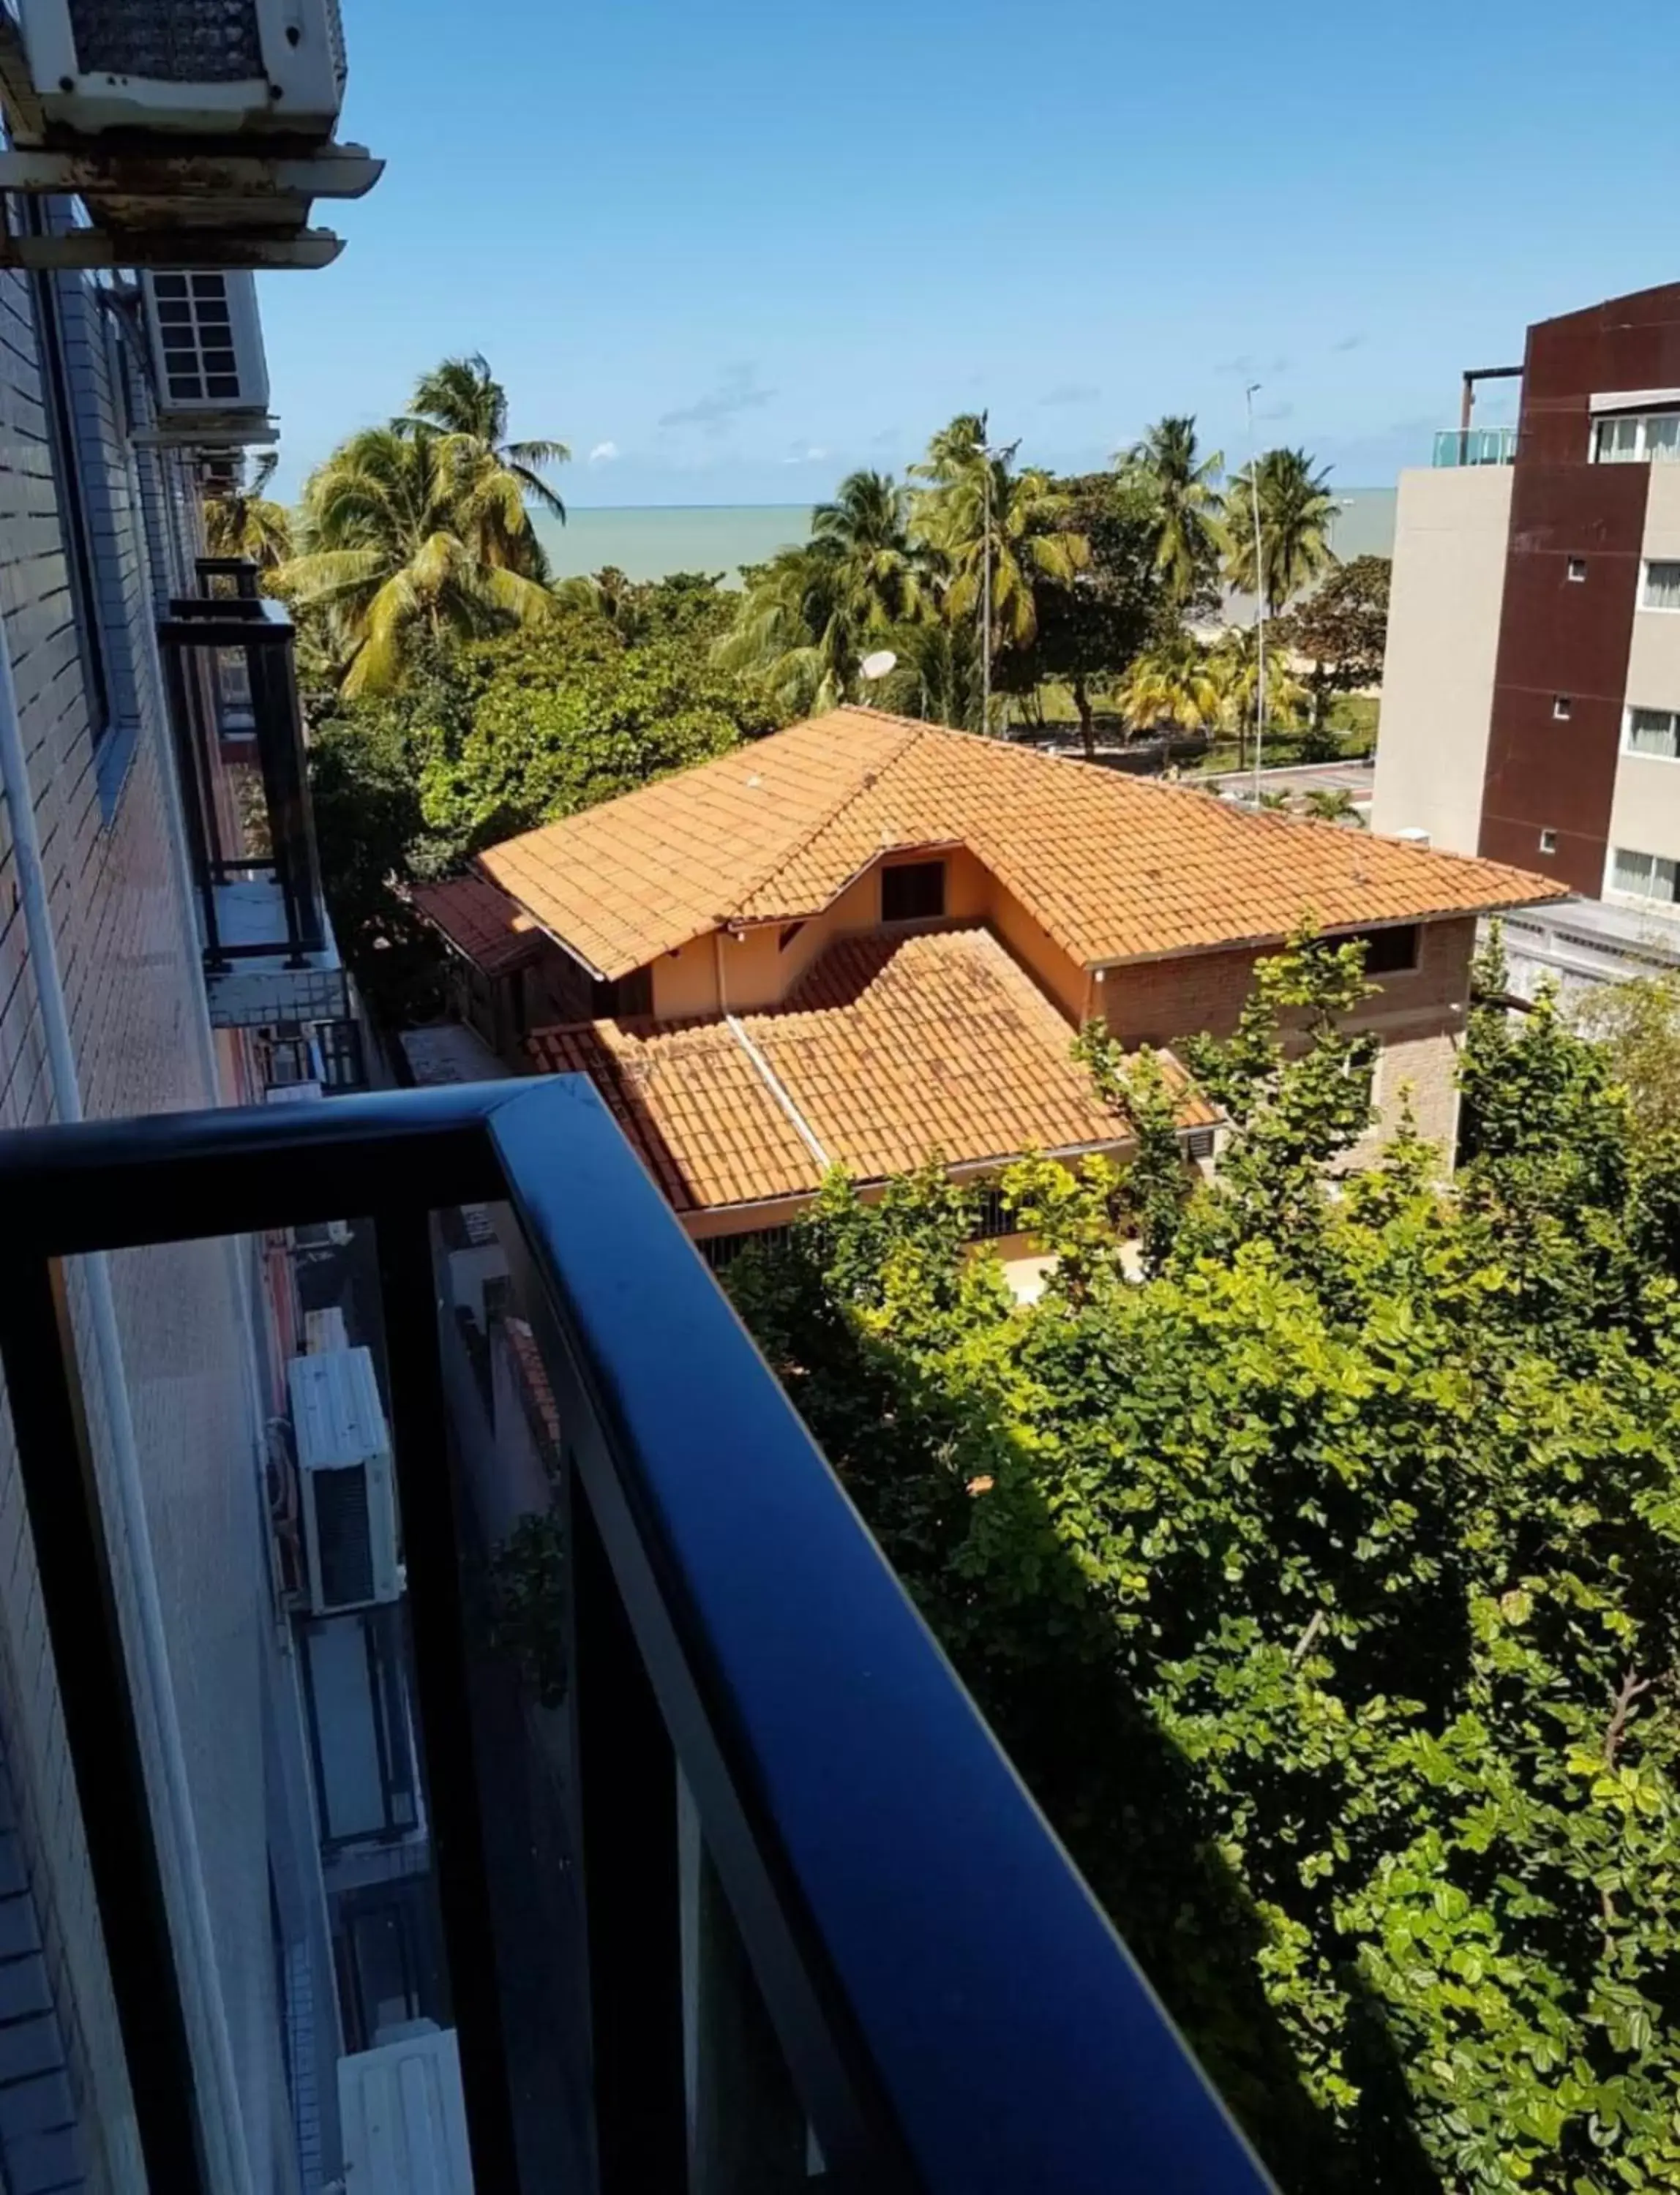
{"x": 758, "y": 971}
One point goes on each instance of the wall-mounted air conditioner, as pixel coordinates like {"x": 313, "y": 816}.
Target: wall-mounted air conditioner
{"x": 319, "y": 1234}
{"x": 207, "y": 358}
{"x": 191, "y": 68}
{"x": 344, "y": 1469}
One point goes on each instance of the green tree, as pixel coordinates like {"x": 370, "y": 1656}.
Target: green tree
{"x": 1171, "y": 686}
{"x": 1182, "y": 488}
{"x": 563, "y": 720}
{"x": 462, "y": 396}
{"x": 1296, "y": 513}
{"x": 245, "y": 522}
{"x": 1341, "y": 628}
{"x": 395, "y": 551}
{"x": 978, "y": 514}
{"x": 1333, "y": 805}
{"x": 1323, "y": 1582}
{"x": 1093, "y": 625}
{"x": 1638, "y": 1023}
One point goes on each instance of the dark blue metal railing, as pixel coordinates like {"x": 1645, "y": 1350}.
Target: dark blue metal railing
{"x": 955, "y": 2014}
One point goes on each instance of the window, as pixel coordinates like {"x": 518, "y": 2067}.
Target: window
{"x": 1390, "y": 952}
{"x": 1631, "y": 436}
{"x": 78, "y": 553}
{"x": 992, "y": 1216}
{"x": 721, "y": 1251}
{"x": 1662, "y": 586}
{"x": 913, "y": 891}
{"x": 1654, "y": 732}
{"x": 1578, "y": 569}
{"x": 623, "y": 1001}
{"x": 1198, "y": 1144}
{"x": 1563, "y": 708}
{"x": 1548, "y": 842}
{"x": 1644, "y": 876}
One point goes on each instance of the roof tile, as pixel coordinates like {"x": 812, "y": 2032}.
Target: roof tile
{"x": 890, "y": 1051}
{"x": 1114, "y": 867}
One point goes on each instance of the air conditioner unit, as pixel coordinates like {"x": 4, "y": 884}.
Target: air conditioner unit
{"x": 207, "y": 358}
{"x": 344, "y": 1469}
{"x": 271, "y": 69}
{"x": 319, "y": 1234}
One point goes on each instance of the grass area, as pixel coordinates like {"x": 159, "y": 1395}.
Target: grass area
{"x": 1352, "y": 716}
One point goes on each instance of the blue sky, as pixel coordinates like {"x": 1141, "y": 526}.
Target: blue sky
{"x": 734, "y": 249}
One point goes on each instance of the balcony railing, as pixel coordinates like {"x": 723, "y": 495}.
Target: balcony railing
{"x": 1475, "y": 446}
{"x": 239, "y": 738}
{"x": 892, "y": 1978}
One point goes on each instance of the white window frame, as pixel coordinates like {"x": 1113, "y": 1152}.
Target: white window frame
{"x": 1645, "y": 754}
{"x": 1548, "y": 841}
{"x": 1648, "y": 565}
{"x": 1640, "y": 453}
{"x": 1622, "y": 897}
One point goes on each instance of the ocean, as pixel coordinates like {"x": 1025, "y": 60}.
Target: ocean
{"x": 649, "y": 541}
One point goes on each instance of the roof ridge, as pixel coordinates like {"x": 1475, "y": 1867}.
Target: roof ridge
{"x": 870, "y": 779}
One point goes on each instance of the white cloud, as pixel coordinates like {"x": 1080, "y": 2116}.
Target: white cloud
{"x": 799, "y": 456}
{"x": 603, "y": 453}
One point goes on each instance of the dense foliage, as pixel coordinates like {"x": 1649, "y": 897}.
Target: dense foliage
{"x": 483, "y": 741}
{"x": 1321, "y": 1572}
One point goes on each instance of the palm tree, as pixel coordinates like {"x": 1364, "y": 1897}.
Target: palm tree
{"x": 394, "y": 528}
{"x": 811, "y": 614}
{"x": 1025, "y": 539}
{"x": 1296, "y": 512}
{"x": 1234, "y": 666}
{"x": 801, "y": 628}
{"x": 244, "y": 522}
{"x": 1333, "y": 805}
{"x": 1171, "y": 685}
{"x": 937, "y": 676}
{"x": 462, "y": 396}
{"x": 866, "y": 530}
{"x": 1186, "y": 504}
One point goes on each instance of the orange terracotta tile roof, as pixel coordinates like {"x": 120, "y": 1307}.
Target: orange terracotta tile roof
{"x": 889, "y": 1051}
{"x": 1115, "y": 867}
{"x": 480, "y": 921}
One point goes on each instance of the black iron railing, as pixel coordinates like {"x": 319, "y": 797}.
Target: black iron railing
{"x": 228, "y": 656}
{"x": 953, "y": 2012}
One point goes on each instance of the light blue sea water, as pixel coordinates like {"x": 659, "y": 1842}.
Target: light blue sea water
{"x": 649, "y": 542}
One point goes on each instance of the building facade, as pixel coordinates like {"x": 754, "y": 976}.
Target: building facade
{"x": 865, "y": 941}
{"x": 121, "y": 994}
{"x": 1531, "y": 698}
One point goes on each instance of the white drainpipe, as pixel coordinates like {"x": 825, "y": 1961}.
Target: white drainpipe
{"x": 222, "y": 2118}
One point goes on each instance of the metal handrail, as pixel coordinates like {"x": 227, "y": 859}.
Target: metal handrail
{"x": 958, "y": 2015}
{"x": 1475, "y": 446}
{"x": 258, "y": 628}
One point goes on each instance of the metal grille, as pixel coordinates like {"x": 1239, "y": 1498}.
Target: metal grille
{"x": 342, "y": 1536}
{"x": 170, "y": 41}
{"x": 195, "y": 328}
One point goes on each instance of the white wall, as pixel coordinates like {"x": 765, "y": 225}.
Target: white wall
{"x": 1450, "y": 538}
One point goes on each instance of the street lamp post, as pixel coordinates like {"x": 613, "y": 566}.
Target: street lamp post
{"x": 986, "y": 597}
{"x": 988, "y": 453}
{"x": 1259, "y": 597}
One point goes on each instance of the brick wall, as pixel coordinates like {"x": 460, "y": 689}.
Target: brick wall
{"x": 127, "y": 948}
{"x": 1419, "y": 1017}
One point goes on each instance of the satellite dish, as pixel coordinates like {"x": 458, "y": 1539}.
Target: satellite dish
{"x": 878, "y": 665}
